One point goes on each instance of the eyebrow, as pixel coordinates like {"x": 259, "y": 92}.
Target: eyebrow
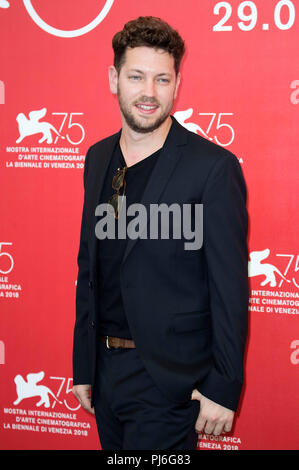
{"x": 141, "y": 71}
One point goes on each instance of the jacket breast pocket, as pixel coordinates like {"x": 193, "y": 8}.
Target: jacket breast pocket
{"x": 193, "y": 331}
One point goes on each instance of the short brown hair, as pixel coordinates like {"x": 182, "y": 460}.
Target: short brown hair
{"x": 148, "y": 31}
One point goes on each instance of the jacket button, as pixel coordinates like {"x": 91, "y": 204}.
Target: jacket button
{"x": 90, "y": 284}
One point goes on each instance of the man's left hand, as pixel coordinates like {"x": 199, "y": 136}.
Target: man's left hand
{"x": 213, "y": 418}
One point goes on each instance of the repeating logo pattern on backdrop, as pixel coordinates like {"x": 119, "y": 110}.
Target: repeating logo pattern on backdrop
{"x": 47, "y": 136}
{"x": 38, "y": 126}
{"x": 39, "y": 415}
{"x": 278, "y": 300}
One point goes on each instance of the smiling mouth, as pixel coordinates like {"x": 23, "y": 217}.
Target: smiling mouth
{"x": 147, "y": 108}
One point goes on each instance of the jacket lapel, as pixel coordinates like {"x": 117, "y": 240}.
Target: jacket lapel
{"x": 165, "y": 165}
{"x": 100, "y": 171}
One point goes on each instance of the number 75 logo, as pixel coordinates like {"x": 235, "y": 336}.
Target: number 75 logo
{"x": 182, "y": 116}
{"x": 6, "y": 255}
{"x": 70, "y": 125}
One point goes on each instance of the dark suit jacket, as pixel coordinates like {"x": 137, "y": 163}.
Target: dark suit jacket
{"x": 187, "y": 309}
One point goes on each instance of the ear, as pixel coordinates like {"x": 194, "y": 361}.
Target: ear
{"x": 113, "y": 79}
{"x": 178, "y": 80}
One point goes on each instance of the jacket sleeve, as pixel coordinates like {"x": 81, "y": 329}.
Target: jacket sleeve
{"x": 225, "y": 228}
{"x": 81, "y": 366}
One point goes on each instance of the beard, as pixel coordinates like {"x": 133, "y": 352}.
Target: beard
{"x": 140, "y": 125}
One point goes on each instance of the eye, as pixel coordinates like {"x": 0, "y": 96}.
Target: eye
{"x": 134, "y": 77}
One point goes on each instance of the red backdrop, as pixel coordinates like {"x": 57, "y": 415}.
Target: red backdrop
{"x": 240, "y": 88}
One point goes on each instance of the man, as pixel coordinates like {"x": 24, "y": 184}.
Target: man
{"x": 160, "y": 329}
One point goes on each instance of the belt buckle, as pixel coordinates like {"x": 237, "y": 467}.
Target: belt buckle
{"x": 107, "y": 343}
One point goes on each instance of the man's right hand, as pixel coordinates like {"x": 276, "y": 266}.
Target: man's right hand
{"x": 82, "y": 393}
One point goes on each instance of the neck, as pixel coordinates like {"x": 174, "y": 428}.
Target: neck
{"x": 136, "y": 146}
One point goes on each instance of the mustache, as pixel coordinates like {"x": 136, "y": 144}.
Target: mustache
{"x": 147, "y": 100}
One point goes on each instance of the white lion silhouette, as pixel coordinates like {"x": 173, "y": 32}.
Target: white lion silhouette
{"x": 256, "y": 268}
{"x": 181, "y": 117}
{"x": 32, "y": 126}
{"x": 4, "y": 4}
{"x": 31, "y": 389}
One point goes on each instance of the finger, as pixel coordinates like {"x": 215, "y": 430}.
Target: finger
{"x": 90, "y": 409}
{"x": 76, "y": 394}
{"x": 200, "y": 423}
{"x": 86, "y": 403}
{"x": 209, "y": 427}
{"x": 195, "y": 395}
{"x": 84, "y": 400}
{"x": 227, "y": 426}
{"x": 218, "y": 429}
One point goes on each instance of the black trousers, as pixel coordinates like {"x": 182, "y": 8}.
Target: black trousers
{"x": 132, "y": 413}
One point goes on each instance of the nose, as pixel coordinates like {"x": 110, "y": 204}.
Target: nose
{"x": 149, "y": 87}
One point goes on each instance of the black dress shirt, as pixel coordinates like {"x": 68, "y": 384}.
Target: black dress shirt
{"x": 113, "y": 321}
